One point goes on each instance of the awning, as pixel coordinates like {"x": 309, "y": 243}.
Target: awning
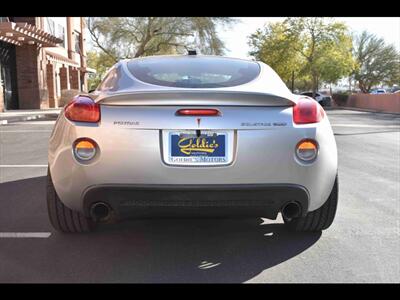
{"x": 24, "y": 33}
{"x": 88, "y": 70}
{"x": 60, "y": 59}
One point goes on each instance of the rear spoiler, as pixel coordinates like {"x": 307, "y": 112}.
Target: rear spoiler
{"x": 197, "y": 98}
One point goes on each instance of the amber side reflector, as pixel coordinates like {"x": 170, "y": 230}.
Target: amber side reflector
{"x": 85, "y": 149}
{"x": 85, "y": 144}
{"x": 198, "y": 112}
{"x": 307, "y": 150}
{"x": 307, "y": 146}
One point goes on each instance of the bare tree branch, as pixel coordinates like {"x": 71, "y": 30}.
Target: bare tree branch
{"x": 95, "y": 39}
{"x": 137, "y": 36}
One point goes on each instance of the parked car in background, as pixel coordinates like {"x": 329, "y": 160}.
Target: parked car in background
{"x": 379, "y": 91}
{"x": 323, "y": 100}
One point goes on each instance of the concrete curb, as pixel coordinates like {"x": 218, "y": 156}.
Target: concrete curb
{"x": 4, "y": 120}
{"x": 365, "y": 110}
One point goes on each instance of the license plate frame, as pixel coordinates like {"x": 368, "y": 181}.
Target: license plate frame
{"x": 198, "y": 158}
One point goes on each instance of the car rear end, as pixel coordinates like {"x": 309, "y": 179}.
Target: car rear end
{"x": 138, "y": 166}
{"x": 205, "y": 152}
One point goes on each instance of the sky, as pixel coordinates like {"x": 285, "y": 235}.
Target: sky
{"x": 236, "y": 37}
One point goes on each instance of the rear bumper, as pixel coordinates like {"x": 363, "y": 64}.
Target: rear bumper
{"x": 134, "y": 157}
{"x": 257, "y": 200}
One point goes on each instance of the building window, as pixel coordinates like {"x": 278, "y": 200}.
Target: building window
{"x": 78, "y": 45}
{"x": 50, "y": 26}
{"x": 55, "y": 28}
{"x": 61, "y": 34}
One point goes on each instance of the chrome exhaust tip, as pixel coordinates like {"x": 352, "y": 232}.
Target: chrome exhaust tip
{"x": 100, "y": 212}
{"x": 291, "y": 210}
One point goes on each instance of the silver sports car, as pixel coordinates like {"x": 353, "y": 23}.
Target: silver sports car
{"x": 192, "y": 135}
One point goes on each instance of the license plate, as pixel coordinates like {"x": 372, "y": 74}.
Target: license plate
{"x": 207, "y": 148}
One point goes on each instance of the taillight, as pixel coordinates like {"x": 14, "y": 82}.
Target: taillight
{"x": 83, "y": 109}
{"x": 307, "y": 111}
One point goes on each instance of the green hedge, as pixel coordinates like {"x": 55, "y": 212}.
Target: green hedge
{"x": 341, "y": 98}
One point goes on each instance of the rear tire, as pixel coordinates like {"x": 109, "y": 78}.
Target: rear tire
{"x": 61, "y": 217}
{"x": 319, "y": 219}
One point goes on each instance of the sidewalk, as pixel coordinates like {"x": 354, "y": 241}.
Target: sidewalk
{"x": 12, "y": 116}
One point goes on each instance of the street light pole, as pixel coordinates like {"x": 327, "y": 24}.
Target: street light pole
{"x": 292, "y": 81}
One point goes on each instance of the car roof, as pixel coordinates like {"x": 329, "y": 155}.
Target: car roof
{"x": 123, "y": 81}
{"x": 178, "y": 56}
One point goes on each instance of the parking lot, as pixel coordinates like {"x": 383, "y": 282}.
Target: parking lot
{"x": 362, "y": 245}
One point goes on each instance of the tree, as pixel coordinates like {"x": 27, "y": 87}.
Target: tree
{"x": 377, "y": 63}
{"x": 317, "y": 49}
{"x": 101, "y": 62}
{"x": 272, "y": 46}
{"x": 326, "y": 47}
{"x": 128, "y": 37}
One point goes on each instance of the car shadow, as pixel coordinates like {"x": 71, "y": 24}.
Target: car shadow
{"x": 140, "y": 251}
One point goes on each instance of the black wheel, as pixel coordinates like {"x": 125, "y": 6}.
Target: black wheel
{"x": 61, "y": 217}
{"x": 319, "y": 219}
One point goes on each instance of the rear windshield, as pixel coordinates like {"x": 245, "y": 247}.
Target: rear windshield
{"x": 194, "y": 71}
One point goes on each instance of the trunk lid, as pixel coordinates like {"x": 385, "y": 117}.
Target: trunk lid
{"x": 157, "y": 110}
{"x": 164, "y": 117}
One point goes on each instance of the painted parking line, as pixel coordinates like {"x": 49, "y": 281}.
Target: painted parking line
{"x": 23, "y": 166}
{"x": 365, "y": 126}
{"x": 40, "y": 235}
{"x": 25, "y": 131}
{"x": 35, "y": 123}
{"x": 207, "y": 265}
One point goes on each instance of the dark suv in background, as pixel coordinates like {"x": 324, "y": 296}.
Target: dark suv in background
{"x": 322, "y": 99}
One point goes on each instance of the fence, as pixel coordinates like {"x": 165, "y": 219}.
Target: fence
{"x": 378, "y": 102}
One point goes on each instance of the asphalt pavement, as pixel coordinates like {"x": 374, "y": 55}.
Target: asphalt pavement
{"x": 362, "y": 245}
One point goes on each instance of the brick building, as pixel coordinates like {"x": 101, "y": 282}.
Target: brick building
{"x": 40, "y": 57}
